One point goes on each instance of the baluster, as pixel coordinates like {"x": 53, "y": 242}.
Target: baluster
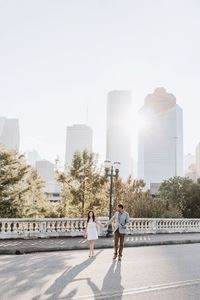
{"x": 3, "y": 228}
{"x": 37, "y": 227}
{"x": 14, "y": 227}
{"x": 68, "y": 226}
{"x": 130, "y": 227}
{"x": 72, "y": 229}
{"x": 53, "y": 226}
{"x": 31, "y": 227}
{"x": 20, "y": 228}
{"x": 59, "y": 228}
{"x": 8, "y": 227}
{"x": 62, "y": 225}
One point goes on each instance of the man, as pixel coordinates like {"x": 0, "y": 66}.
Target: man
{"x": 122, "y": 219}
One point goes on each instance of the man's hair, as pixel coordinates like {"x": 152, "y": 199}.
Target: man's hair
{"x": 121, "y": 206}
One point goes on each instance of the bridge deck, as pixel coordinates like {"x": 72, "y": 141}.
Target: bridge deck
{"x": 56, "y": 244}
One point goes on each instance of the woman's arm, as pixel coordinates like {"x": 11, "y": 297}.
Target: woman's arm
{"x": 85, "y": 231}
{"x": 99, "y": 223}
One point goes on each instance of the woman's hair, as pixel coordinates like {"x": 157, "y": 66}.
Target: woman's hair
{"x": 93, "y": 216}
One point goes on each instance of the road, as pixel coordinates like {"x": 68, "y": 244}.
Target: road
{"x": 156, "y": 272}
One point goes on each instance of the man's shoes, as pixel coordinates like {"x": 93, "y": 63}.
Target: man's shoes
{"x": 119, "y": 258}
{"x": 115, "y": 256}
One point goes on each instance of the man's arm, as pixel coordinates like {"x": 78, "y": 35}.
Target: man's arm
{"x": 111, "y": 220}
{"x": 127, "y": 219}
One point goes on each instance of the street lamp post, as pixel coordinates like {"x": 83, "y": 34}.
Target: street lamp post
{"x": 111, "y": 171}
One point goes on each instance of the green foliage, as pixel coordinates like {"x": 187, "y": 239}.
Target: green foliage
{"x": 21, "y": 192}
{"x": 138, "y": 202}
{"x": 82, "y": 188}
{"x": 180, "y": 197}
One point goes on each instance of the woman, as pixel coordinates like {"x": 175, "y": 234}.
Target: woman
{"x": 91, "y": 231}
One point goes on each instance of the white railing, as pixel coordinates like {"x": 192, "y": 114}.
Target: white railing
{"x": 44, "y": 228}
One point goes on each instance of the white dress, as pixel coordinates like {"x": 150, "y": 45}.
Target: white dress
{"x": 92, "y": 233}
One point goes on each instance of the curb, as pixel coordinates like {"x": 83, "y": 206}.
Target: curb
{"x": 28, "y": 250}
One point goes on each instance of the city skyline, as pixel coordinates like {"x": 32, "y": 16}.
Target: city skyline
{"x": 138, "y": 122}
{"x": 50, "y": 72}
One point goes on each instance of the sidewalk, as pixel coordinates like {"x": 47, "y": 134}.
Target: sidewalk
{"x": 22, "y": 246}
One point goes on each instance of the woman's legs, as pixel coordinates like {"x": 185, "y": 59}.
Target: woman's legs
{"x": 90, "y": 248}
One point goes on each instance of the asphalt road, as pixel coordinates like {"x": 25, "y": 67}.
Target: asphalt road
{"x": 157, "y": 272}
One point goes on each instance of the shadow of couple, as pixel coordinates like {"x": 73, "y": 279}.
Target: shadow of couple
{"x": 111, "y": 284}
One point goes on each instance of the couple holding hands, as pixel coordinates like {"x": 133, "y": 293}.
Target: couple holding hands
{"x": 121, "y": 219}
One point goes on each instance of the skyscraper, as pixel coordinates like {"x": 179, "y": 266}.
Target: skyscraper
{"x": 118, "y": 144}
{"x": 32, "y": 157}
{"x": 160, "y": 145}
{"x": 46, "y": 171}
{"x": 198, "y": 160}
{"x": 9, "y": 133}
{"x": 189, "y": 159}
{"x": 79, "y": 138}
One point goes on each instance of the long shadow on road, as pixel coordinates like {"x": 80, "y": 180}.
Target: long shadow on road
{"x": 65, "y": 279}
{"x": 28, "y": 274}
{"x": 20, "y": 274}
{"x": 111, "y": 283}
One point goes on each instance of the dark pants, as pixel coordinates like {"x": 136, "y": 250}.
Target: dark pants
{"x": 119, "y": 239}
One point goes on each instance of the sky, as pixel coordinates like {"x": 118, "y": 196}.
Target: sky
{"x": 58, "y": 57}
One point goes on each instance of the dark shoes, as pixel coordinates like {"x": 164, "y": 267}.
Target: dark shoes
{"x": 119, "y": 257}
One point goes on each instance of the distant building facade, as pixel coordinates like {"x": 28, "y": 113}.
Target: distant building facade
{"x": 191, "y": 172}
{"x": 197, "y": 160}
{"x": 79, "y": 138}
{"x": 46, "y": 171}
{"x": 160, "y": 140}
{"x": 32, "y": 157}
{"x": 189, "y": 159}
{"x": 9, "y": 133}
{"x": 118, "y": 130}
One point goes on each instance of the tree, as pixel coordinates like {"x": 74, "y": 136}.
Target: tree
{"x": 21, "y": 192}
{"x": 65, "y": 207}
{"x": 83, "y": 188}
{"x": 36, "y": 203}
{"x": 137, "y": 201}
{"x": 181, "y": 196}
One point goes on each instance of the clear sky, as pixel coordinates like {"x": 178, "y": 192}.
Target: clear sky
{"x": 58, "y": 56}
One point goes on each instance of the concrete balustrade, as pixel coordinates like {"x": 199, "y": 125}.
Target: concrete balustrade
{"x": 60, "y": 227}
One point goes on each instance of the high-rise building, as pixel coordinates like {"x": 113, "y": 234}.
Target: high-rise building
{"x": 46, "y": 171}
{"x": 32, "y": 157}
{"x": 9, "y": 133}
{"x": 189, "y": 159}
{"x": 118, "y": 143}
{"x": 198, "y": 160}
{"x": 191, "y": 172}
{"x": 79, "y": 138}
{"x": 160, "y": 139}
